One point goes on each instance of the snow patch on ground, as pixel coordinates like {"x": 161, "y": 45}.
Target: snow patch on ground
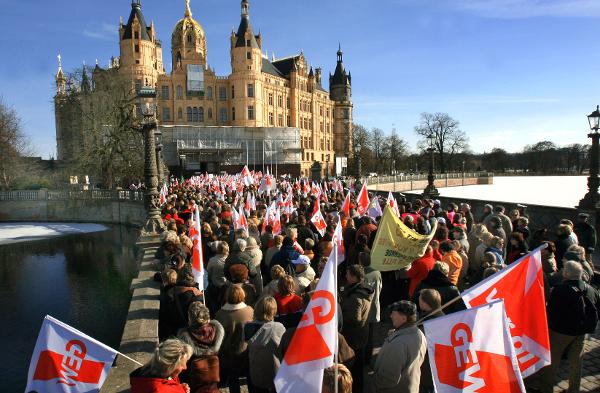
{"x": 560, "y": 191}
{"x": 23, "y": 232}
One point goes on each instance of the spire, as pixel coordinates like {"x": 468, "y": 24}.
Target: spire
{"x": 85, "y": 81}
{"x": 245, "y": 9}
{"x": 340, "y": 54}
{"x": 136, "y": 13}
{"x": 245, "y": 28}
{"x": 59, "y": 73}
{"x": 188, "y": 10}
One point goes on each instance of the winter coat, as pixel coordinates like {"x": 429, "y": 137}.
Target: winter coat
{"x": 203, "y": 367}
{"x": 233, "y": 317}
{"x": 373, "y": 280}
{"x": 242, "y": 259}
{"x": 142, "y": 382}
{"x": 586, "y": 234}
{"x": 418, "y": 271}
{"x": 304, "y": 279}
{"x": 216, "y": 270}
{"x": 253, "y": 255}
{"x": 269, "y": 255}
{"x": 454, "y": 261}
{"x": 355, "y": 305}
{"x": 288, "y": 304}
{"x": 563, "y": 305}
{"x": 398, "y": 366}
{"x": 263, "y": 338}
{"x": 284, "y": 258}
{"x": 562, "y": 244}
{"x": 438, "y": 281}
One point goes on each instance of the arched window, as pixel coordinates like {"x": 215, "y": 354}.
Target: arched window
{"x": 210, "y": 113}
{"x": 223, "y": 115}
{"x": 189, "y": 114}
{"x": 209, "y": 93}
{"x": 201, "y": 115}
{"x": 179, "y": 114}
{"x": 190, "y": 38}
{"x": 195, "y": 116}
{"x": 179, "y": 92}
{"x": 178, "y": 60}
{"x": 232, "y": 114}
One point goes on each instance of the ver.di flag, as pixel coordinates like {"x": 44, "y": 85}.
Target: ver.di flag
{"x": 197, "y": 257}
{"x": 396, "y": 245}
{"x": 66, "y": 360}
{"x": 521, "y": 286}
{"x": 471, "y": 351}
{"x": 314, "y": 342}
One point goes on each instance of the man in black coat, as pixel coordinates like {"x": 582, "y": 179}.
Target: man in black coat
{"x": 586, "y": 234}
{"x": 568, "y": 320}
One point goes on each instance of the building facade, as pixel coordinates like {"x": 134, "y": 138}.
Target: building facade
{"x": 260, "y": 93}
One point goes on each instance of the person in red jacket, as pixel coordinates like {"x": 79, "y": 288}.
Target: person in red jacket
{"x": 287, "y": 300}
{"x": 161, "y": 374}
{"x": 418, "y": 270}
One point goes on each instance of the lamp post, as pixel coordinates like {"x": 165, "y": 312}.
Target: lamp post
{"x": 159, "y": 156}
{"x": 430, "y": 191}
{"x": 590, "y": 200}
{"x": 154, "y": 224}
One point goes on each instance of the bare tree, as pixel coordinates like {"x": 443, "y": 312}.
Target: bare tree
{"x": 447, "y": 137}
{"x": 395, "y": 149}
{"x": 112, "y": 148}
{"x": 377, "y": 140}
{"x": 360, "y": 146}
{"x": 13, "y": 146}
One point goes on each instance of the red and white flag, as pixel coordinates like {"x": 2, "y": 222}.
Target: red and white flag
{"x": 314, "y": 343}
{"x": 276, "y": 224}
{"x": 164, "y": 191}
{"x": 471, "y": 351}
{"x": 362, "y": 201}
{"x": 393, "y": 204}
{"x": 521, "y": 285}
{"x": 247, "y": 176}
{"x": 239, "y": 219}
{"x": 197, "y": 257}
{"x": 66, "y": 360}
{"x": 318, "y": 220}
{"x": 338, "y": 239}
{"x": 346, "y": 205}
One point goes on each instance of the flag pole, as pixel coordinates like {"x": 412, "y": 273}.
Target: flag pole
{"x": 127, "y": 357}
{"x": 336, "y": 354}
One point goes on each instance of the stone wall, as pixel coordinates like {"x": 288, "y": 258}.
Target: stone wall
{"x": 105, "y": 207}
{"x": 421, "y": 183}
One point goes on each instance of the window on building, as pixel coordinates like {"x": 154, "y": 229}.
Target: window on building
{"x": 166, "y": 114}
{"x": 138, "y": 85}
{"x": 327, "y": 112}
{"x": 189, "y": 38}
{"x": 232, "y": 91}
{"x": 209, "y": 113}
{"x": 288, "y": 103}
{"x": 164, "y": 92}
{"x": 280, "y": 120}
{"x": 189, "y": 114}
{"x": 249, "y": 55}
{"x": 346, "y": 113}
{"x": 321, "y": 127}
{"x": 271, "y": 118}
{"x": 320, "y": 110}
{"x": 271, "y": 99}
{"x": 280, "y": 101}
{"x": 137, "y": 49}
{"x": 201, "y": 115}
{"x": 136, "y": 35}
{"x": 248, "y": 43}
{"x": 288, "y": 121}
{"x": 232, "y": 114}
{"x": 195, "y": 115}
{"x": 179, "y": 114}
{"x": 179, "y": 92}
{"x": 209, "y": 93}
{"x": 250, "y": 90}
{"x": 223, "y": 115}
{"x": 322, "y": 144}
{"x": 250, "y": 112}
{"x": 222, "y": 93}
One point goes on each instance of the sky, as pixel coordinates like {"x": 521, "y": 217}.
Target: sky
{"x": 513, "y": 72}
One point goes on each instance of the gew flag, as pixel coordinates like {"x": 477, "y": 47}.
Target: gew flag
{"x": 66, "y": 360}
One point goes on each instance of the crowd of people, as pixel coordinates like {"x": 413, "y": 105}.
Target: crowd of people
{"x": 260, "y": 278}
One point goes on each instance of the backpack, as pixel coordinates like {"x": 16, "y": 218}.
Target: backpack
{"x": 588, "y": 315}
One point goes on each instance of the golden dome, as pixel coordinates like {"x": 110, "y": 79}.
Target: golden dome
{"x": 185, "y": 25}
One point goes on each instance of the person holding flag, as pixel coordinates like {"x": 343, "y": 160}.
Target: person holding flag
{"x": 398, "y": 365}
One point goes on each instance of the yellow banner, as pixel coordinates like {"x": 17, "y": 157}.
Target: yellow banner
{"x": 396, "y": 245}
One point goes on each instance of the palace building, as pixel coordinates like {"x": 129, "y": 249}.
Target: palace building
{"x": 267, "y": 112}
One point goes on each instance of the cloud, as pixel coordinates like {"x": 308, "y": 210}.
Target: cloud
{"x": 518, "y": 9}
{"x": 104, "y": 31}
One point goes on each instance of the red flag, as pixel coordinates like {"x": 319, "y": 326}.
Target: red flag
{"x": 66, "y": 360}
{"x": 318, "y": 220}
{"x": 362, "y": 201}
{"x": 197, "y": 257}
{"x": 471, "y": 351}
{"x": 346, "y": 205}
{"x": 521, "y": 285}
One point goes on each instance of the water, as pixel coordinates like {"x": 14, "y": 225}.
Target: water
{"x": 82, "y": 280}
{"x": 560, "y": 191}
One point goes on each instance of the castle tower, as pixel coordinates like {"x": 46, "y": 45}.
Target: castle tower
{"x": 141, "y": 53}
{"x": 245, "y": 84}
{"x": 188, "y": 42}
{"x": 61, "y": 81}
{"x": 340, "y": 91}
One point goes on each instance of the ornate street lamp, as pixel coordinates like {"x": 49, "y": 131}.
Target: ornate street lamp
{"x": 430, "y": 191}
{"x": 159, "y": 157}
{"x": 590, "y": 200}
{"x": 154, "y": 224}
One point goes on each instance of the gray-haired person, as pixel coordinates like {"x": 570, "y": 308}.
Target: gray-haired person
{"x": 161, "y": 373}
